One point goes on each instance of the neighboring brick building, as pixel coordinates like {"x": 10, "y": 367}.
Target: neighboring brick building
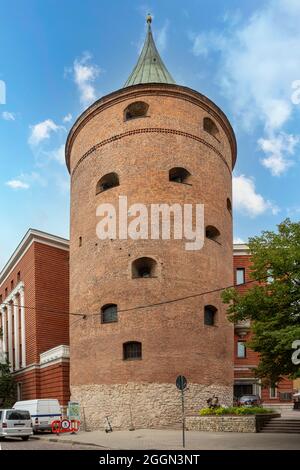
{"x": 244, "y": 358}
{"x": 34, "y": 301}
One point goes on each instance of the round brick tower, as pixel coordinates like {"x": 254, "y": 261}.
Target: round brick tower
{"x": 154, "y": 142}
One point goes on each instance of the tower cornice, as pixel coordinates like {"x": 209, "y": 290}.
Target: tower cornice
{"x": 161, "y": 89}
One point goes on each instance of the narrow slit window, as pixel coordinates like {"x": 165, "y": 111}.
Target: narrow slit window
{"x": 210, "y": 127}
{"x": 210, "y": 315}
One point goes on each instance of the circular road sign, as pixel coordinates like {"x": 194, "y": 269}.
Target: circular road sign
{"x": 65, "y": 424}
{"x": 181, "y": 382}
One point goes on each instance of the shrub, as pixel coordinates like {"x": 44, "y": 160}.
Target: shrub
{"x": 234, "y": 410}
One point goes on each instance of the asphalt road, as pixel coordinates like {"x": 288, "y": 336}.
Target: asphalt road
{"x": 34, "y": 444}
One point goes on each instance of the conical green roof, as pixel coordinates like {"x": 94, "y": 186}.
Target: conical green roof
{"x": 149, "y": 68}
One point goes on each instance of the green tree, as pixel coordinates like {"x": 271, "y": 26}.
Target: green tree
{"x": 273, "y": 304}
{"x": 7, "y": 385}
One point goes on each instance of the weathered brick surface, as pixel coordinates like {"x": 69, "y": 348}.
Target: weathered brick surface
{"x": 55, "y": 382}
{"x": 52, "y": 299}
{"x": 46, "y": 382}
{"x": 142, "y": 151}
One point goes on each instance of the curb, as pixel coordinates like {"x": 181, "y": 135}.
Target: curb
{"x": 67, "y": 441}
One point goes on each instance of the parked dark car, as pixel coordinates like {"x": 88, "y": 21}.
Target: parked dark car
{"x": 249, "y": 400}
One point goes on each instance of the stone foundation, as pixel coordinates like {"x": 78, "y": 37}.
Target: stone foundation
{"x": 142, "y": 405}
{"x": 221, "y": 423}
{"x": 251, "y": 423}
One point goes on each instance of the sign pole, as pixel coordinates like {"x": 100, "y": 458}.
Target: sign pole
{"x": 183, "y": 419}
{"x": 181, "y": 384}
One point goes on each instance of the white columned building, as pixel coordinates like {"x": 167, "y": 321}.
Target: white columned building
{"x": 23, "y": 332}
{"x": 12, "y": 317}
{"x": 10, "y": 334}
{"x": 3, "y": 338}
{"x": 16, "y": 331}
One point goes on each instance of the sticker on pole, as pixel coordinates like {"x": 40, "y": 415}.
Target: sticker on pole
{"x": 181, "y": 382}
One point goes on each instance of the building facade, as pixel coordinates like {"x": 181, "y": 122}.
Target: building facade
{"x": 34, "y": 306}
{"x": 245, "y": 359}
{"x": 154, "y": 142}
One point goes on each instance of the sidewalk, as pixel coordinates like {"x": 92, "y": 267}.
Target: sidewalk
{"x": 172, "y": 439}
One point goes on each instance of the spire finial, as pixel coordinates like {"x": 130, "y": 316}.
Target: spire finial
{"x": 149, "y": 68}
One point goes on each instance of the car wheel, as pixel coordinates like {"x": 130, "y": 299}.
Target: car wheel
{"x": 2, "y": 438}
{"x": 25, "y": 438}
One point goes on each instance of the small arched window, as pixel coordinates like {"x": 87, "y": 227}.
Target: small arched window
{"x": 111, "y": 180}
{"x": 136, "y": 110}
{"x": 179, "y": 175}
{"x": 210, "y": 315}
{"x": 144, "y": 267}
{"x": 210, "y": 127}
{"x": 80, "y": 242}
{"x": 229, "y": 205}
{"x": 109, "y": 313}
{"x": 212, "y": 233}
{"x": 132, "y": 350}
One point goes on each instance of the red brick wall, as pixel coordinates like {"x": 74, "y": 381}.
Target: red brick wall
{"x": 285, "y": 385}
{"x": 55, "y": 383}
{"x": 252, "y": 358}
{"x": 47, "y": 382}
{"x": 30, "y": 384}
{"x": 52, "y": 296}
{"x": 174, "y": 337}
{"x": 44, "y": 270}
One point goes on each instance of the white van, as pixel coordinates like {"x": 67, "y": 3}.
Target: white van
{"x": 15, "y": 423}
{"x": 43, "y": 412}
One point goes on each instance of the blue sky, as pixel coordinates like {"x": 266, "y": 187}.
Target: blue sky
{"x": 57, "y": 56}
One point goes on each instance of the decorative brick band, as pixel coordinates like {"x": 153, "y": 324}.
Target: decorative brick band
{"x": 144, "y": 131}
{"x": 152, "y": 89}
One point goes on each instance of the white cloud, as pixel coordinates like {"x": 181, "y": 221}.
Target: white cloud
{"x": 84, "y": 75}
{"x": 277, "y": 150}
{"x": 17, "y": 184}
{"x": 260, "y": 61}
{"x": 7, "y": 116}
{"x": 295, "y": 97}
{"x": 68, "y": 117}
{"x": 42, "y": 131}
{"x": 58, "y": 154}
{"x": 238, "y": 240}
{"x": 293, "y": 211}
{"x": 204, "y": 42}
{"x": 161, "y": 37}
{"x": 247, "y": 201}
{"x": 259, "y": 68}
{"x": 25, "y": 181}
{"x": 62, "y": 183}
